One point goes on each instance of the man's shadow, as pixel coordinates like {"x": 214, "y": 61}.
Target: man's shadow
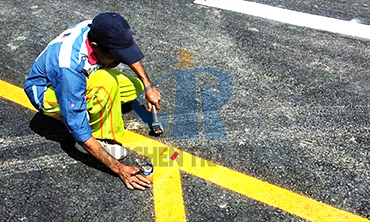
{"x": 55, "y": 130}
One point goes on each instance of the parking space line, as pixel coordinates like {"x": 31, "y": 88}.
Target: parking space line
{"x": 167, "y": 187}
{"x": 267, "y": 193}
{"x": 168, "y": 197}
{"x": 17, "y": 94}
{"x": 349, "y": 28}
{"x": 248, "y": 186}
{"x": 185, "y": 59}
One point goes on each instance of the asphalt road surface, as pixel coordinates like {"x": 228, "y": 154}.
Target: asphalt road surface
{"x": 296, "y": 111}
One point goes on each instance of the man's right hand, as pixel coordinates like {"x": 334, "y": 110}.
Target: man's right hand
{"x": 130, "y": 175}
{"x": 132, "y": 178}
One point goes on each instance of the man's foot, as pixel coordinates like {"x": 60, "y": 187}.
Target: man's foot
{"x": 116, "y": 150}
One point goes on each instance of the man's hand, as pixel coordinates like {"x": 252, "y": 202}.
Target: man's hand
{"x": 132, "y": 178}
{"x": 130, "y": 175}
{"x": 153, "y": 96}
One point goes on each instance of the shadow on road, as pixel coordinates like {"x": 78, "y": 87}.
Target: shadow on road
{"x": 53, "y": 129}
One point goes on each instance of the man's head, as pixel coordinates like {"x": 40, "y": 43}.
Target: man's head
{"x": 111, "y": 38}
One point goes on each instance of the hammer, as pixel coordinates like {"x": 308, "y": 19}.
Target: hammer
{"x": 157, "y": 126}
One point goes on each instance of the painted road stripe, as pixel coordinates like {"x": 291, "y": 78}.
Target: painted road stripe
{"x": 17, "y": 95}
{"x": 21, "y": 141}
{"x": 349, "y": 28}
{"x": 251, "y": 187}
{"x": 168, "y": 197}
{"x": 185, "y": 59}
{"x": 16, "y": 166}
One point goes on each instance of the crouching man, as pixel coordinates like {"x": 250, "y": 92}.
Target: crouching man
{"x": 73, "y": 80}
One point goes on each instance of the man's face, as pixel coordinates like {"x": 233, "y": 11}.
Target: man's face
{"x": 104, "y": 56}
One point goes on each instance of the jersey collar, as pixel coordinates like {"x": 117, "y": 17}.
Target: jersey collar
{"x": 90, "y": 54}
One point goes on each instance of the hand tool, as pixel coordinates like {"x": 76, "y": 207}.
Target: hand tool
{"x": 157, "y": 126}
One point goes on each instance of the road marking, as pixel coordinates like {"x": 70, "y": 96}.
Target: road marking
{"x": 18, "y": 95}
{"x": 251, "y": 187}
{"x": 19, "y": 141}
{"x": 15, "y": 166}
{"x": 168, "y": 197}
{"x": 185, "y": 59}
{"x": 291, "y": 17}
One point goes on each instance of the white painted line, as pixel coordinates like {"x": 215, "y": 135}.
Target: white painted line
{"x": 20, "y": 141}
{"x": 15, "y": 166}
{"x": 291, "y": 17}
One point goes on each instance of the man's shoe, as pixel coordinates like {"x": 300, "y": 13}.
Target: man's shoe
{"x": 116, "y": 150}
{"x": 80, "y": 148}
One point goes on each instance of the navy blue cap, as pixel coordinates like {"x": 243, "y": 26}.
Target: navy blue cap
{"x": 112, "y": 31}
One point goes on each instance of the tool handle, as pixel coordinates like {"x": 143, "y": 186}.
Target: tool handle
{"x": 155, "y": 117}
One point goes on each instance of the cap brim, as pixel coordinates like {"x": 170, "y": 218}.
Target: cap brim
{"x": 128, "y": 55}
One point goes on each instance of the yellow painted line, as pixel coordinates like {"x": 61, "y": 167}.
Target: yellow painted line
{"x": 168, "y": 202}
{"x": 167, "y": 188}
{"x": 185, "y": 59}
{"x": 168, "y": 198}
{"x": 164, "y": 150}
{"x": 17, "y": 94}
{"x": 272, "y": 195}
{"x": 251, "y": 187}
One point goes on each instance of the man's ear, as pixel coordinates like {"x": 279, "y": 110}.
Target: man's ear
{"x": 94, "y": 45}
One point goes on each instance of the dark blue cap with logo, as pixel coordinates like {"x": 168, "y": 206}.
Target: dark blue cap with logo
{"x": 113, "y": 32}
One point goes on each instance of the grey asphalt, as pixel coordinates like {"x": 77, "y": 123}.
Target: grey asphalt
{"x": 298, "y": 116}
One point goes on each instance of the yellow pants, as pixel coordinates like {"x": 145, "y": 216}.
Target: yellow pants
{"x": 106, "y": 90}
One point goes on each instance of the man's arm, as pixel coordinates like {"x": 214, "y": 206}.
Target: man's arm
{"x": 130, "y": 175}
{"x": 152, "y": 95}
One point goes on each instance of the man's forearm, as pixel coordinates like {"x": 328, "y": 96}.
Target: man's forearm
{"x": 95, "y": 149}
{"x": 152, "y": 95}
{"x": 139, "y": 70}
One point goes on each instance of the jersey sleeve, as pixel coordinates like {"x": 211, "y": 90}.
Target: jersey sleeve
{"x": 70, "y": 88}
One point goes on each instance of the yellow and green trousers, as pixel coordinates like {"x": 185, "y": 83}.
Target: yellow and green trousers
{"x": 106, "y": 90}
